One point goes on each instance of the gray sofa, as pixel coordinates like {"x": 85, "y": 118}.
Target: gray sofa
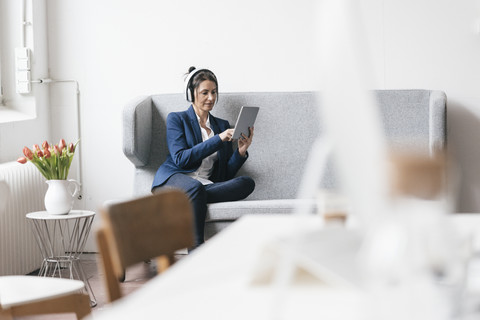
{"x": 286, "y": 127}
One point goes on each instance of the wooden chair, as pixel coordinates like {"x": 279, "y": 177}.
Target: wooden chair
{"x": 31, "y": 295}
{"x": 134, "y": 231}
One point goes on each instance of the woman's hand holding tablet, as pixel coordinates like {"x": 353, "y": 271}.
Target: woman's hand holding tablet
{"x": 245, "y": 120}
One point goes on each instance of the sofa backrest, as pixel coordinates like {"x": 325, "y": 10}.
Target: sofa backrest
{"x": 286, "y": 127}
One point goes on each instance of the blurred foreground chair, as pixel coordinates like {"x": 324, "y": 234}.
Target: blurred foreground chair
{"x": 31, "y": 295}
{"x": 134, "y": 231}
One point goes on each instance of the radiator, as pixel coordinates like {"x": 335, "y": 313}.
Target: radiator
{"x": 19, "y": 252}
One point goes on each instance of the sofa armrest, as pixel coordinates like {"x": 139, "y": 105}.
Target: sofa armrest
{"x": 137, "y": 130}
{"x": 438, "y": 121}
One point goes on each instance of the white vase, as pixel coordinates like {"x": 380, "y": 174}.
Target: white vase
{"x": 60, "y": 195}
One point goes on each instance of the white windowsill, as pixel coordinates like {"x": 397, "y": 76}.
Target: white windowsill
{"x": 10, "y": 115}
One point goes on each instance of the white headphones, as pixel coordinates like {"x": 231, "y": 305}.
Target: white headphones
{"x": 187, "y": 83}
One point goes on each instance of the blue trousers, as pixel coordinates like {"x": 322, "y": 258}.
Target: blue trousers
{"x": 200, "y": 195}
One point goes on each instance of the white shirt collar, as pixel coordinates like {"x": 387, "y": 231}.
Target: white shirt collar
{"x": 207, "y": 123}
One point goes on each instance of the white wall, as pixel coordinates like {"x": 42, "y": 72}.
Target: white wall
{"x": 120, "y": 49}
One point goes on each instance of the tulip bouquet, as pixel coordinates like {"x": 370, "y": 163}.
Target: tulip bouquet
{"x": 53, "y": 161}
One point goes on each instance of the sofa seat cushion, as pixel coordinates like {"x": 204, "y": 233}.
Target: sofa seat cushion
{"x": 230, "y": 211}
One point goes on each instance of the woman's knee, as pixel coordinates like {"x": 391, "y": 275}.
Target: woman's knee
{"x": 196, "y": 190}
{"x": 193, "y": 188}
{"x": 248, "y": 184}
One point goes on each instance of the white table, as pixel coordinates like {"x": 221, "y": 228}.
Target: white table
{"x": 62, "y": 239}
{"x": 215, "y": 282}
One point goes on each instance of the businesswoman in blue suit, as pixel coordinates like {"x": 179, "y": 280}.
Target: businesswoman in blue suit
{"x": 201, "y": 160}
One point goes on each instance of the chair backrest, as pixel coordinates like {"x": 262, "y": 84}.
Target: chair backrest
{"x": 140, "y": 229}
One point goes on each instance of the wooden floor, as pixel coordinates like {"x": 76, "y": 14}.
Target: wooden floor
{"x": 135, "y": 277}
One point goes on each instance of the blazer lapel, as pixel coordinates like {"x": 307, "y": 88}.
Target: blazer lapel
{"x": 214, "y": 125}
{"x": 195, "y": 126}
{"x": 216, "y": 130}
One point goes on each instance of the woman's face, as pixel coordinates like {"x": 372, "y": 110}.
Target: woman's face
{"x": 205, "y": 96}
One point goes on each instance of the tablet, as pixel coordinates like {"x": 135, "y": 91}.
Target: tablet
{"x": 245, "y": 120}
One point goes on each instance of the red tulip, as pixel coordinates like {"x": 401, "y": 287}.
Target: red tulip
{"x": 36, "y": 147}
{"x": 71, "y": 147}
{"x": 22, "y": 160}
{"x": 57, "y": 150}
{"x": 47, "y": 153}
{"x": 28, "y": 153}
{"x": 62, "y": 144}
{"x": 45, "y": 145}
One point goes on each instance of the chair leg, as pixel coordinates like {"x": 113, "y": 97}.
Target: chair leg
{"x": 123, "y": 276}
{"x": 6, "y": 314}
{"x": 163, "y": 262}
{"x": 111, "y": 280}
{"x": 84, "y": 308}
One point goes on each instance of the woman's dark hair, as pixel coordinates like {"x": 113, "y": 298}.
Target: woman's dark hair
{"x": 199, "y": 77}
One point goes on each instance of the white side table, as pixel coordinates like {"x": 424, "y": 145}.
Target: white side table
{"x": 61, "y": 239}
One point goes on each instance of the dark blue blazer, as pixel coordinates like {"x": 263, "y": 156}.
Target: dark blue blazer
{"x": 187, "y": 150}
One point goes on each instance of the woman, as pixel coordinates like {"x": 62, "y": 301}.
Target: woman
{"x": 201, "y": 160}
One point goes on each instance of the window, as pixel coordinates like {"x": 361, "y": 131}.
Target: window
{"x": 17, "y": 96}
